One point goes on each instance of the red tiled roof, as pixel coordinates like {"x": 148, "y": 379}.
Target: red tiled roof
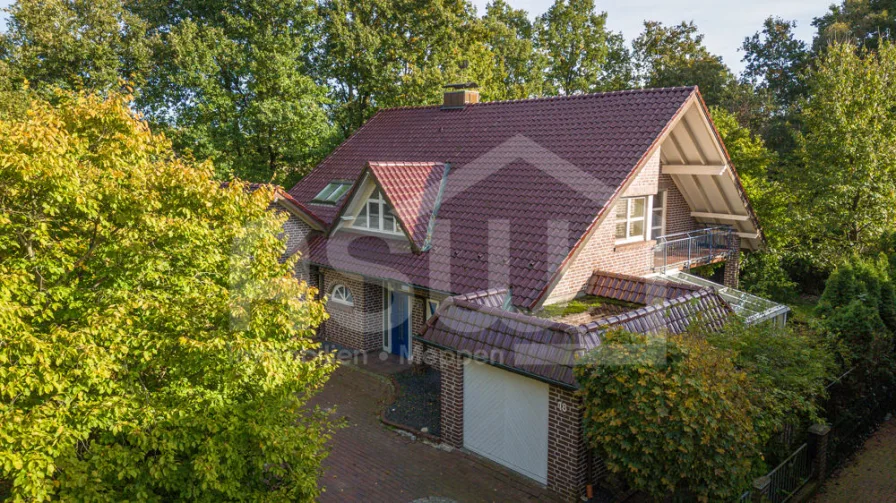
{"x": 548, "y": 349}
{"x": 412, "y": 189}
{"x": 634, "y": 289}
{"x": 531, "y": 176}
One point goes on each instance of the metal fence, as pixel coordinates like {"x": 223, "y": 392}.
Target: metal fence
{"x": 787, "y": 478}
{"x": 694, "y": 248}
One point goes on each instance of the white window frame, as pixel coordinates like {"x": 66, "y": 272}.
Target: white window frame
{"x": 377, "y": 199}
{"x": 325, "y": 196}
{"x": 347, "y": 299}
{"x": 430, "y": 310}
{"x": 662, "y": 225}
{"x": 648, "y": 211}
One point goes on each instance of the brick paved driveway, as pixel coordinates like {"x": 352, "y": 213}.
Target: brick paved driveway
{"x": 372, "y": 463}
{"x": 871, "y": 476}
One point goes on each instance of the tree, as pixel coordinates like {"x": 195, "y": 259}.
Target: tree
{"x": 510, "y": 37}
{"x": 861, "y": 22}
{"x": 775, "y": 61}
{"x": 573, "y": 38}
{"x": 381, "y": 54}
{"x": 76, "y": 44}
{"x": 668, "y": 56}
{"x": 233, "y": 82}
{"x": 776, "y": 67}
{"x": 670, "y": 414}
{"x": 154, "y": 346}
{"x": 847, "y": 175}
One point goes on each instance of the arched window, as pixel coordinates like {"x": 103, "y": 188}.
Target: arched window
{"x": 342, "y": 295}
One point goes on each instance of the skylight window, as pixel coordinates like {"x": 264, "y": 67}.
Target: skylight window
{"x": 332, "y": 192}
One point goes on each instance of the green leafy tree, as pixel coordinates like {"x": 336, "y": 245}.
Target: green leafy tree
{"x": 863, "y": 22}
{"x": 510, "y": 37}
{"x": 668, "y": 56}
{"x": 670, "y": 414}
{"x": 75, "y": 44}
{"x": 847, "y": 175}
{"x": 233, "y": 82}
{"x": 573, "y": 38}
{"x": 153, "y": 344}
{"x": 379, "y": 54}
{"x": 776, "y": 60}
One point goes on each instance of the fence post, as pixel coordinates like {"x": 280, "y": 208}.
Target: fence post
{"x": 761, "y": 486}
{"x": 818, "y": 433}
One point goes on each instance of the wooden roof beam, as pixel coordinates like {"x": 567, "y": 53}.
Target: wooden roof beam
{"x": 695, "y": 169}
{"x": 720, "y": 216}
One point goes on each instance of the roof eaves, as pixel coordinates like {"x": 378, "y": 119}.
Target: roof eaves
{"x": 427, "y": 242}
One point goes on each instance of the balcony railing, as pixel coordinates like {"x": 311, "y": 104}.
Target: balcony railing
{"x": 695, "y": 248}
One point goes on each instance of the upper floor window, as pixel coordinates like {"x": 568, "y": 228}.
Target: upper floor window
{"x": 342, "y": 295}
{"x": 332, "y": 192}
{"x": 376, "y": 215}
{"x": 658, "y": 215}
{"x": 631, "y": 219}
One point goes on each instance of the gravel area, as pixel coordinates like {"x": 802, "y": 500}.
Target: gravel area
{"x": 417, "y": 404}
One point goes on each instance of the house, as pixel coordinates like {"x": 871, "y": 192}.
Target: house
{"x": 444, "y": 234}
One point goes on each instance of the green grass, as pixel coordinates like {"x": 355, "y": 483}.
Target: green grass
{"x": 580, "y": 305}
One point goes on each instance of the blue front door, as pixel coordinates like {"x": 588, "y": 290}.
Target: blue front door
{"x": 401, "y": 326}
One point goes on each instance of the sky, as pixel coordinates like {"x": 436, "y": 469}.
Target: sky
{"x": 724, "y": 23}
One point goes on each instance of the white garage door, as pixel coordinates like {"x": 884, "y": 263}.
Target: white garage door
{"x": 506, "y": 419}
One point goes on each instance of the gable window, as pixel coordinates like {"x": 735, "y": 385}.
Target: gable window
{"x": 342, "y": 295}
{"x": 431, "y": 307}
{"x": 376, "y": 215}
{"x": 332, "y": 192}
{"x": 631, "y": 219}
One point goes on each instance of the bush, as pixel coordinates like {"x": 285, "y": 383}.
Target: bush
{"x": 152, "y": 338}
{"x": 762, "y": 274}
{"x": 789, "y": 370}
{"x": 671, "y": 413}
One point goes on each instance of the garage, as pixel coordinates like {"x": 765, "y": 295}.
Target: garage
{"x": 506, "y": 419}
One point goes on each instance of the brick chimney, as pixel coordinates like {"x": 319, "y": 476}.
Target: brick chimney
{"x": 457, "y": 96}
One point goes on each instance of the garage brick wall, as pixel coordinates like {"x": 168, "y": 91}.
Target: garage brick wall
{"x": 452, "y": 398}
{"x": 567, "y": 454}
{"x": 600, "y": 251}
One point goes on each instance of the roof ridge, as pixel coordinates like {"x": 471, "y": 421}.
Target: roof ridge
{"x": 563, "y": 97}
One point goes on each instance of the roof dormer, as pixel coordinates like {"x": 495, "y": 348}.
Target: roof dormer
{"x": 396, "y": 199}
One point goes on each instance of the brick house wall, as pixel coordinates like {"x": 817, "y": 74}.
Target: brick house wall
{"x": 359, "y": 326}
{"x": 297, "y": 233}
{"x": 601, "y": 252}
{"x": 567, "y": 452}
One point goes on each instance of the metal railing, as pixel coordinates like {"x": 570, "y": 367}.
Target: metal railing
{"x": 790, "y": 476}
{"x": 693, "y": 248}
{"x": 787, "y": 478}
{"x": 751, "y": 308}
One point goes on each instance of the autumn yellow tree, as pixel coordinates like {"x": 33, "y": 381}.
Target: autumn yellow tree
{"x": 152, "y": 345}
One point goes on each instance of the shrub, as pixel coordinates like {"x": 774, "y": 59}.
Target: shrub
{"x": 762, "y": 274}
{"x": 789, "y": 370}
{"x": 670, "y": 413}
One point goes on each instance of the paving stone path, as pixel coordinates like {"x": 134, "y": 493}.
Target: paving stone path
{"x": 871, "y": 476}
{"x": 372, "y": 463}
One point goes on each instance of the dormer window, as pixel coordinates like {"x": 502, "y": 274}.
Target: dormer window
{"x": 332, "y": 192}
{"x": 376, "y": 215}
